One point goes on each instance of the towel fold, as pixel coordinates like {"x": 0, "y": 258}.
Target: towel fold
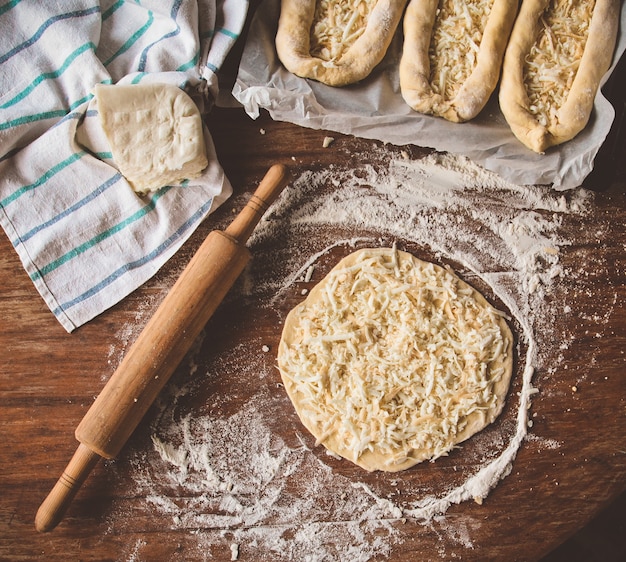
{"x": 84, "y": 237}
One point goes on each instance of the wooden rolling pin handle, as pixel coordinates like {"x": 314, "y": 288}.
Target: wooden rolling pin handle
{"x": 160, "y": 347}
{"x": 55, "y": 505}
{"x": 265, "y": 194}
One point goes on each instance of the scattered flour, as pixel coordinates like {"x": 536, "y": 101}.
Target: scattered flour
{"x": 543, "y": 442}
{"x": 230, "y": 480}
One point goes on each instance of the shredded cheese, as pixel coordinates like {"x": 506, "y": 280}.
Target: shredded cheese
{"x": 337, "y": 24}
{"x": 455, "y": 42}
{"x": 552, "y": 63}
{"x": 392, "y": 356}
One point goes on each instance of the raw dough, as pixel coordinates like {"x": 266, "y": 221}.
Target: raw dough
{"x": 391, "y": 360}
{"x": 452, "y": 54}
{"x": 337, "y": 42}
{"x": 155, "y": 133}
{"x": 558, "y": 52}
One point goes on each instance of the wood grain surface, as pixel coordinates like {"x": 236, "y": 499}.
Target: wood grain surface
{"x": 568, "y": 472}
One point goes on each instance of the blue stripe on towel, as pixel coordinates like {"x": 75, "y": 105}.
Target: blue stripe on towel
{"x": 49, "y": 75}
{"x": 9, "y": 6}
{"x": 66, "y": 212}
{"x": 191, "y": 64}
{"x": 137, "y": 263}
{"x": 132, "y": 39}
{"x": 227, "y": 32}
{"x": 113, "y": 8}
{"x": 53, "y": 114}
{"x": 31, "y": 118}
{"x": 46, "y": 25}
{"x": 43, "y": 179}
{"x": 78, "y": 250}
{"x": 144, "y": 54}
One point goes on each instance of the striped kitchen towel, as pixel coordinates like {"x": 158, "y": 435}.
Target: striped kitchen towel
{"x": 84, "y": 237}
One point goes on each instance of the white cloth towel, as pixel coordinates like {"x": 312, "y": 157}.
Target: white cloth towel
{"x": 84, "y": 237}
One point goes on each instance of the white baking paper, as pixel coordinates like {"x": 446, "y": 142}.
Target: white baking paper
{"x": 375, "y": 109}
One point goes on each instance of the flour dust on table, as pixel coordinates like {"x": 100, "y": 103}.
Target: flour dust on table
{"x": 230, "y": 463}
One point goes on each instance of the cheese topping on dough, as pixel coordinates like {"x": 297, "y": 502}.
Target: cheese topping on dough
{"x": 552, "y": 63}
{"x": 392, "y": 355}
{"x": 337, "y": 24}
{"x": 456, "y": 38}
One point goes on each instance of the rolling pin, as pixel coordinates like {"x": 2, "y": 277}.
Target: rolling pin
{"x": 160, "y": 348}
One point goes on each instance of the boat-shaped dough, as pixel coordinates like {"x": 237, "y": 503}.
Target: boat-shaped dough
{"x": 452, "y": 54}
{"x": 337, "y": 42}
{"x": 558, "y": 52}
{"x": 391, "y": 360}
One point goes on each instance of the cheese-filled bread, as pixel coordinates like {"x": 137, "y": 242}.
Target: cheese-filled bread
{"x": 452, "y": 54}
{"x": 337, "y": 42}
{"x": 558, "y": 52}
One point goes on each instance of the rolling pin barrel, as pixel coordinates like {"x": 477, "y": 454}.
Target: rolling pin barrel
{"x": 160, "y": 347}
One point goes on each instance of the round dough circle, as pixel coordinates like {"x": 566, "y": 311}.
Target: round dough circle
{"x": 392, "y": 360}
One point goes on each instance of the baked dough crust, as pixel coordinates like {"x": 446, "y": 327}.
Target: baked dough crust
{"x": 293, "y": 42}
{"x": 319, "y": 369}
{"x": 473, "y": 91}
{"x": 570, "y": 118}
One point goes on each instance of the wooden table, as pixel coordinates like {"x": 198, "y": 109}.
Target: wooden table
{"x": 144, "y": 506}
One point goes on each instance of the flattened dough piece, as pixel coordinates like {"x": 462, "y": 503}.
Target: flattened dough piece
{"x": 558, "y": 52}
{"x": 452, "y": 54}
{"x": 337, "y": 42}
{"x": 155, "y": 133}
{"x": 391, "y": 360}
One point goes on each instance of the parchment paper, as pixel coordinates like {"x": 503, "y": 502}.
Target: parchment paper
{"x": 374, "y": 109}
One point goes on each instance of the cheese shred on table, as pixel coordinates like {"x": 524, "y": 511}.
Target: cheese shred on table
{"x": 552, "y": 64}
{"x": 456, "y": 38}
{"x": 337, "y": 24}
{"x": 392, "y": 356}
